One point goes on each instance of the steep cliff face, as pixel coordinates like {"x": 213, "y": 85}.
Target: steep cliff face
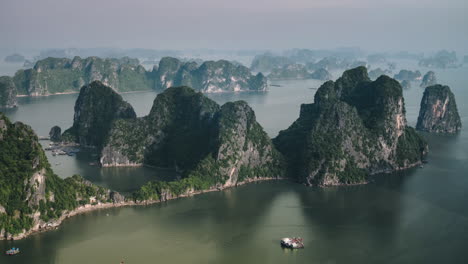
{"x": 438, "y": 112}
{"x": 31, "y": 196}
{"x": 167, "y": 71}
{"x": 243, "y": 150}
{"x": 61, "y": 75}
{"x": 354, "y": 128}
{"x": 210, "y": 76}
{"x": 429, "y": 79}
{"x": 7, "y": 93}
{"x": 96, "y": 109}
{"x": 238, "y": 151}
{"x": 189, "y": 132}
{"x": 217, "y": 76}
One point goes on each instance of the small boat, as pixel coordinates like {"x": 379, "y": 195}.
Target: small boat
{"x": 13, "y": 251}
{"x": 293, "y": 243}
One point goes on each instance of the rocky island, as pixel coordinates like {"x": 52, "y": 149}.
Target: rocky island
{"x": 7, "y": 93}
{"x": 429, "y": 79}
{"x": 442, "y": 59}
{"x": 267, "y": 62}
{"x": 210, "y": 76}
{"x": 438, "y": 112}
{"x": 334, "y": 63}
{"x": 210, "y": 146}
{"x": 55, "y": 134}
{"x": 298, "y": 72}
{"x": 63, "y": 75}
{"x": 407, "y": 75}
{"x": 355, "y": 128}
{"x": 97, "y": 106}
{"x": 290, "y": 72}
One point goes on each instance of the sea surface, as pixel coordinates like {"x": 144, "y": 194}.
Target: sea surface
{"x": 416, "y": 216}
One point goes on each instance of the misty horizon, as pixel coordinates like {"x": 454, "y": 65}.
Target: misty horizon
{"x": 417, "y": 26}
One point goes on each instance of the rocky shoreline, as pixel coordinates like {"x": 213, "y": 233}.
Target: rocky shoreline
{"x": 52, "y": 225}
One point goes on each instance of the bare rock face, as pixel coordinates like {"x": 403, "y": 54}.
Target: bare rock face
{"x": 244, "y": 149}
{"x": 55, "y": 134}
{"x": 354, "y": 128}
{"x": 7, "y": 93}
{"x": 209, "y": 77}
{"x": 429, "y": 79}
{"x": 38, "y": 190}
{"x": 438, "y": 112}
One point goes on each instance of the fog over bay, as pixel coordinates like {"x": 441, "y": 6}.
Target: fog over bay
{"x": 217, "y": 24}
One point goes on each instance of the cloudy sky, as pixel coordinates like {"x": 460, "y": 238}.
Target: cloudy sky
{"x": 236, "y": 24}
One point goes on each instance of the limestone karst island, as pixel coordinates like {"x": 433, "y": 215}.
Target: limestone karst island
{"x": 233, "y": 131}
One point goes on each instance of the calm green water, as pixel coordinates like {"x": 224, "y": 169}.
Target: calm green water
{"x": 419, "y": 216}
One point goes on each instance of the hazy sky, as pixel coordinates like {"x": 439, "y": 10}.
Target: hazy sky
{"x": 237, "y": 24}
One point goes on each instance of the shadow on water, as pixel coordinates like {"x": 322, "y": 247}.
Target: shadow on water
{"x": 357, "y": 221}
{"x": 121, "y": 179}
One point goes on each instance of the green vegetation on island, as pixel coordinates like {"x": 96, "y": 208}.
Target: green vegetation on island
{"x": 438, "y": 112}
{"x": 63, "y": 75}
{"x": 31, "y": 195}
{"x": 354, "y": 128}
{"x": 97, "y": 106}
